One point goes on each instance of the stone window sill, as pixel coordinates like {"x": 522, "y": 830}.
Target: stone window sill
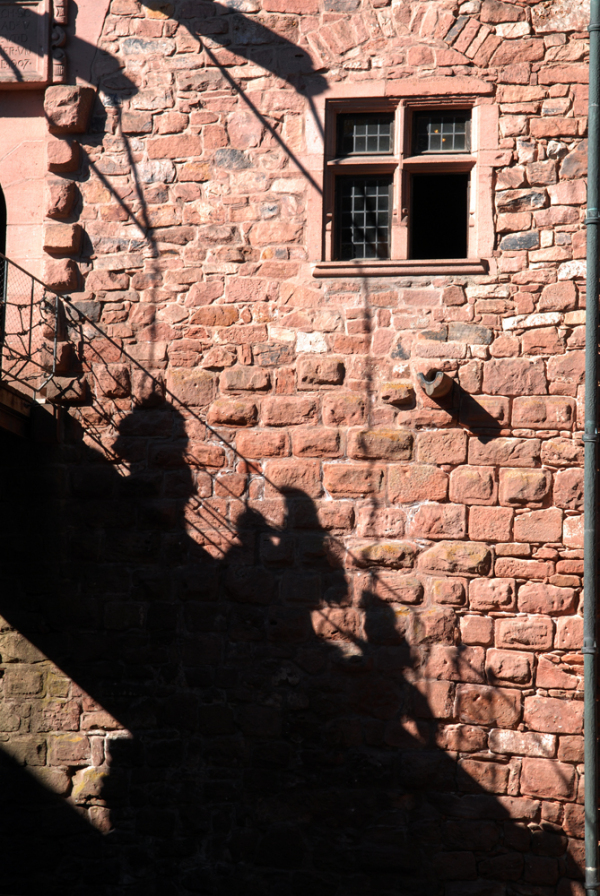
{"x": 416, "y": 267}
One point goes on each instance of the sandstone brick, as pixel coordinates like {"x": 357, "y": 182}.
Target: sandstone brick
{"x": 433, "y": 625}
{"x": 523, "y": 743}
{"x": 395, "y": 587}
{"x": 569, "y": 369}
{"x": 233, "y": 411}
{"x": 548, "y": 779}
{"x": 503, "y": 666}
{"x": 456, "y": 558}
{"x": 523, "y": 486}
{"x": 62, "y": 275}
{"x": 554, "y": 715}
{"x": 391, "y": 554}
{"x": 474, "y": 776}
{"x": 513, "y": 567}
{"x": 455, "y": 663}
{"x": 62, "y": 239}
{"x": 68, "y": 109}
{"x": 484, "y": 705}
{"x": 551, "y": 412}
{"x": 61, "y": 197}
{"x": 69, "y": 749}
{"x": 570, "y": 748}
{"x": 447, "y": 591}
{"x": 535, "y": 632}
{"x": 472, "y": 485}
{"x": 573, "y": 531}
{"x": 416, "y": 482}
{"x": 492, "y": 594}
{"x": 504, "y": 452}
{"x": 444, "y": 447}
{"x": 434, "y": 699}
{"x": 194, "y": 388}
{"x": 463, "y": 738}
{"x": 439, "y": 521}
{"x": 380, "y": 444}
{"x": 490, "y": 523}
{"x": 62, "y": 156}
{"x": 316, "y": 441}
{"x": 314, "y": 372}
{"x": 514, "y": 376}
{"x": 539, "y": 525}
{"x": 476, "y": 630}
{"x": 263, "y": 443}
{"x": 560, "y": 296}
{"x": 346, "y": 410}
{"x": 551, "y": 673}
{"x": 288, "y": 411}
{"x": 250, "y": 379}
{"x": 292, "y": 475}
{"x": 562, "y": 452}
{"x": 352, "y": 480}
{"x": 569, "y": 633}
{"x": 538, "y": 598}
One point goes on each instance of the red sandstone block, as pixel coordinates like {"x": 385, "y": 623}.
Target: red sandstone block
{"x": 564, "y": 74}
{"x": 476, "y": 630}
{"x": 562, "y": 452}
{"x": 553, "y": 715}
{"x": 291, "y": 475}
{"x": 523, "y": 569}
{"x": 416, "y": 482}
{"x": 439, "y": 521}
{"x": 215, "y": 316}
{"x": 69, "y": 749}
{"x": 319, "y": 371}
{"x": 484, "y": 705}
{"x": 490, "y": 523}
{"x": 175, "y": 147}
{"x": 248, "y": 379}
{"x": 523, "y": 743}
{"x": 101, "y": 281}
{"x": 194, "y": 388}
{"x": 455, "y": 663}
{"x": 548, "y": 412}
{"x": 263, "y": 443}
{"x": 233, "y": 411}
{"x": 522, "y": 486}
{"x": 542, "y": 341}
{"x": 570, "y": 748}
{"x": 446, "y": 591}
{"x": 504, "y": 452}
{"x": 434, "y": 626}
{"x": 316, "y": 441}
{"x": 551, "y": 673}
{"x": 573, "y": 535}
{"x": 569, "y": 192}
{"x": 472, "y": 485}
{"x": 539, "y": 598}
{"x": 561, "y": 296}
{"x": 288, "y": 411}
{"x": 574, "y": 821}
{"x": 554, "y": 127}
{"x": 535, "y": 632}
{"x": 539, "y": 526}
{"x": 548, "y": 779}
{"x": 384, "y": 444}
{"x": 508, "y": 665}
{"x": 514, "y": 376}
{"x": 352, "y": 480}
{"x": 569, "y": 368}
{"x": 462, "y": 738}
{"x": 457, "y": 558}
{"x": 474, "y": 776}
{"x": 68, "y": 108}
{"x": 444, "y": 447}
{"x": 569, "y": 633}
{"x": 62, "y": 156}
{"x": 346, "y": 409}
{"x": 434, "y": 699}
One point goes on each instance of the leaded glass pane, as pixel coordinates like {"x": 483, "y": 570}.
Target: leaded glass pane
{"x": 363, "y": 219}
{"x": 370, "y": 133}
{"x": 442, "y": 132}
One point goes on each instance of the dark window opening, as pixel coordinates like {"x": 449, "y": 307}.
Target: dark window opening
{"x": 440, "y": 132}
{"x": 367, "y": 134}
{"x": 363, "y": 217}
{"x": 438, "y": 221}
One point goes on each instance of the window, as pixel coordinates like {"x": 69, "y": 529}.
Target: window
{"x": 406, "y": 186}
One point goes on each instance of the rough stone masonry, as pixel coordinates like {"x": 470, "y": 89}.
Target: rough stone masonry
{"x": 291, "y": 626}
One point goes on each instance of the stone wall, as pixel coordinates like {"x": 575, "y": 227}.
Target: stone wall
{"x": 295, "y": 626}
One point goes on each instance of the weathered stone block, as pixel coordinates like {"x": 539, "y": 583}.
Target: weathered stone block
{"x": 416, "y": 482}
{"x": 444, "y": 447}
{"x": 314, "y": 372}
{"x": 490, "y": 523}
{"x": 537, "y": 598}
{"x": 554, "y": 715}
{"x": 508, "y": 665}
{"x": 380, "y": 444}
{"x": 68, "y": 109}
{"x": 291, "y": 475}
{"x": 548, "y": 779}
{"x": 352, "y": 480}
{"x": 61, "y": 275}
{"x": 62, "y": 156}
{"x": 472, "y": 485}
{"x": 484, "y": 705}
{"x": 523, "y": 486}
{"x": 233, "y": 411}
{"x": 492, "y": 594}
{"x": 514, "y": 376}
{"x": 194, "y": 388}
{"x": 548, "y": 412}
{"x": 504, "y": 452}
{"x": 535, "y": 632}
{"x": 246, "y": 379}
{"x": 457, "y": 558}
{"x": 60, "y": 198}
{"x": 539, "y": 526}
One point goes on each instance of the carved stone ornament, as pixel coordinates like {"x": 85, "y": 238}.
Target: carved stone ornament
{"x": 24, "y": 43}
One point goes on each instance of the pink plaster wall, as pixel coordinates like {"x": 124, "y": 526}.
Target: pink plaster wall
{"x": 23, "y": 137}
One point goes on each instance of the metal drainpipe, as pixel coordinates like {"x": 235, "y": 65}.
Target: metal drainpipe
{"x": 591, "y": 440}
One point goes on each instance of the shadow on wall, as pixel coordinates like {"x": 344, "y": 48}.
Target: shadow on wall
{"x": 282, "y": 740}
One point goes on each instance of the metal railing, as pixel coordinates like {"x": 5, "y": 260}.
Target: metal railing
{"x": 29, "y": 320}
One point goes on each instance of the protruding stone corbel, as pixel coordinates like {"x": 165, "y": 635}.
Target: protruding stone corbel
{"x": 435, "y": 383}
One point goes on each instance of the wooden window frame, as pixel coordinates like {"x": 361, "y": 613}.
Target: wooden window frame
{"x": 321, "y": 132}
